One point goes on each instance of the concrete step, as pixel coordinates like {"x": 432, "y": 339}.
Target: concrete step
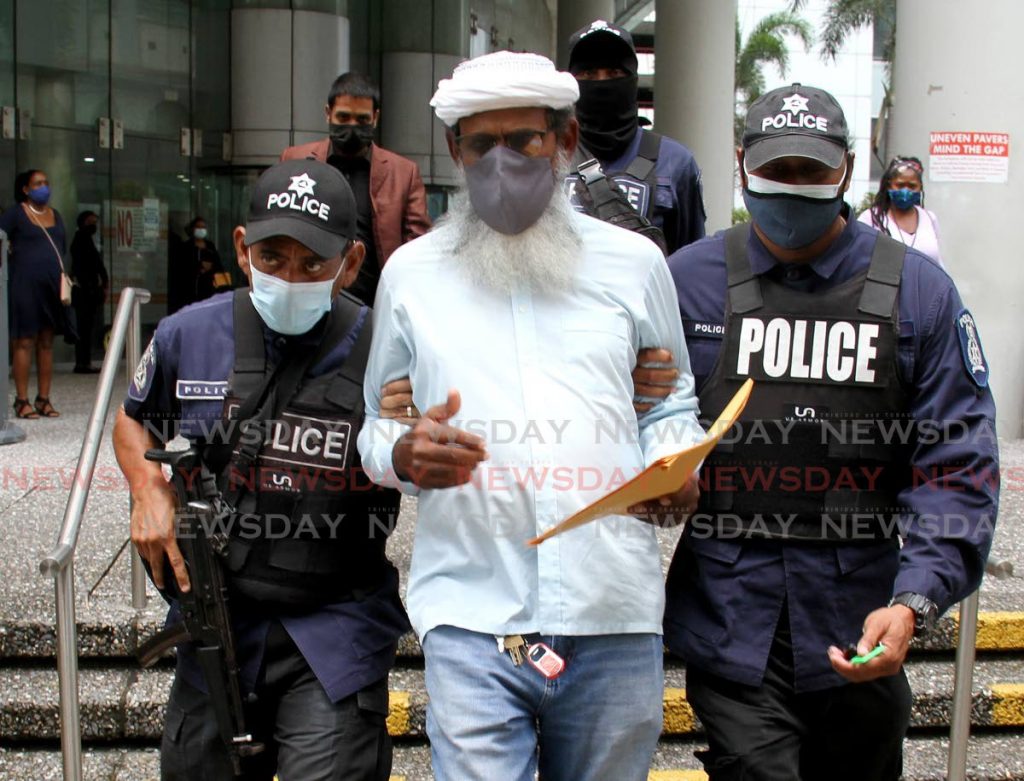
{"x": 991, "y": 757}
{"x": 120, "y": 704}
{"x": 116, "y": 633}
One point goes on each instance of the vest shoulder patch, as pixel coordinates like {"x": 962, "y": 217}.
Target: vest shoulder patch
{"x": 142, "y": 380}
{"x": 970, "y": 348}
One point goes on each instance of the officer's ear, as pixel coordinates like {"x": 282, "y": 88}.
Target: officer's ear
{"x": 739, "y": 162}
{"x": 352, "y": 260}
{"x": 453, "y": 148}
{"x": 376, "y": 116}
{"x": 849, "y": 171}
{"x": 570, "y": 137}
{"x": 242, "y": 252}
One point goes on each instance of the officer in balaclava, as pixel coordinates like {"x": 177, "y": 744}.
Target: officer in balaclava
{"x": 660, "y": 177}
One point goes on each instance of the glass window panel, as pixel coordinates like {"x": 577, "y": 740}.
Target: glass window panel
{"x": 211, "y": 78}
{"x": 63, "y": 62}
{"x": 150, "y": 63}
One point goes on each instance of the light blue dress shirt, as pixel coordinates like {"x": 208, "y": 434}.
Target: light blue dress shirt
{"x": 546, "y": 380}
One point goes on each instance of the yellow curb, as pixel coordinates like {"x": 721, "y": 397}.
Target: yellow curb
{"x": 677, "y": 775}
{"x": 1000, "y": 630}
{"x": 400, "y": 705}
{"x": 678, "y": 715}
{"x": 1008, "y": 705}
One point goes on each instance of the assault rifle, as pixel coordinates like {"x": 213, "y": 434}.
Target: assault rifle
{"x": 206, "y": 620}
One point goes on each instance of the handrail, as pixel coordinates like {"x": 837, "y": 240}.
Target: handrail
{"x": 59, "y": 564}
{"x": 10, "y": 432}
{"x": 963, "y": 685}
{"x": 963, "y": 677}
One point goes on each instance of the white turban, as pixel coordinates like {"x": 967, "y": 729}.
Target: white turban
{"x": 503, "y": 80}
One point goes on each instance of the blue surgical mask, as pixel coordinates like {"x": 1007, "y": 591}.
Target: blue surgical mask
{"x": 40, "y": 195}
{"x": 792, "y": 215}
{"x": 905, "y": 199}
{"x": 290, "y": 308}
{"x": 200, "y": 233}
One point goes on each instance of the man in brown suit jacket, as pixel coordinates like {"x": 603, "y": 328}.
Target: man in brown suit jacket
{"x": 391, "y": 200}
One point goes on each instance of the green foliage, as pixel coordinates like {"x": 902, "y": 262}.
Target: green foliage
{"x": 739, "y": 215}
{"x": 765, "y": 44}
{"x": 865, "y": 203}
{"x": 845, "y": 17}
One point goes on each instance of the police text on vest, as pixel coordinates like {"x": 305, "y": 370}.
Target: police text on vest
{"x": 804, "y": 349}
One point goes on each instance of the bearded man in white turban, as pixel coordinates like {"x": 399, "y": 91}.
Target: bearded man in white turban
{"x": 519, "y": 322}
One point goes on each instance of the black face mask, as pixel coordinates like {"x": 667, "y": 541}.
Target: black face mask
{"x": 607, "y": 114}
{"x": 90, "y": 230}
{"x": 350, "y": 139}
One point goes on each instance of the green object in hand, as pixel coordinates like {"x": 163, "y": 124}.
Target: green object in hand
{"x": 878, "y": 650}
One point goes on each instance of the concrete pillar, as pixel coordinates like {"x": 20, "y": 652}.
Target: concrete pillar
{"x": 54, "y": 103}
{"x": 282, "y": 66}
{"x": 574, "y": 14}
{"x": 431, "y": 40}
{"x": 956, "y": 71}
{"x": 694, "y": 91}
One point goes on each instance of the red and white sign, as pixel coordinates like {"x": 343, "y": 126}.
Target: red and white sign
{"x": 969, "y": 156}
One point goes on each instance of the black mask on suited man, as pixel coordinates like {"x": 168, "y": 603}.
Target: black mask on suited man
{"x": 350, "y": 139}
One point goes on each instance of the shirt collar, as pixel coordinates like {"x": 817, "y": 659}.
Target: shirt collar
{"x": 825, "y": 265}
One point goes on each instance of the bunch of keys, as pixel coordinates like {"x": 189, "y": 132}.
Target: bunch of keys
{"x": 540, "y": 655}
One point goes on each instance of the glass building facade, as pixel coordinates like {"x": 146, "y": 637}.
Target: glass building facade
{"x": 149, "y": 112}
{"x": 103, "y": 95}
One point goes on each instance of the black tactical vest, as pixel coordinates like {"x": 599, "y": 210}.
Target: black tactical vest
{"x": 310, "y": 528}
{"x": 821, "y": 450}
{"x": 625, "y": 199}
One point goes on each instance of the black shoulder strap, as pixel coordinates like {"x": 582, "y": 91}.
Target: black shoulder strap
{"x": 744, "y": 286}
{"x": 346, "y": 389}
{"x": 250, "y": 352}
{"x": 883, "y": 282}
{"x": 643, "y": 165}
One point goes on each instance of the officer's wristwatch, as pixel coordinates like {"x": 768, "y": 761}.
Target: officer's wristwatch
{"x": 926, "y": 612}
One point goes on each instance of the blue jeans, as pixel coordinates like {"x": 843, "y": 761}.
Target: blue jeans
{"x": 488, "y": 719}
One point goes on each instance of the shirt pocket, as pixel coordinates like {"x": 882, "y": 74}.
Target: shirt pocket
{"x": 868, "y": 561}
{"x": 600, "y": 342}
{"x": 710, "y": 564}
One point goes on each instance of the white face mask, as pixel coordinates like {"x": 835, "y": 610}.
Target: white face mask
{"x": 822, "y": 192}
{"x": 290, "y": 308}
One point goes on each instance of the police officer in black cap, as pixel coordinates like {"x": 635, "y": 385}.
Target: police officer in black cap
{"x": 314, "y": 600}
{"x": 659, "y": 176}
{"x": 856, "y": 499}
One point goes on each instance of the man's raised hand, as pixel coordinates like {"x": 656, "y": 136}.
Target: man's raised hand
{"x": 436, "y": 455}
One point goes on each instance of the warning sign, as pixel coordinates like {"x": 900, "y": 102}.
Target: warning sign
{"x": 968, "y": 156}
{"x": 136, "y": 226}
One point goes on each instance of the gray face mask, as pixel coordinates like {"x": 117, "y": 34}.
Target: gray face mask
{"x": 510, "y": 191}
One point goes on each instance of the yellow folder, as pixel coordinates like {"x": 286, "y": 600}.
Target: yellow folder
{"x": 664, "y": 476}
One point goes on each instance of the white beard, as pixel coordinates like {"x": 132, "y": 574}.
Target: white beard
{"x": 542, "y": 259}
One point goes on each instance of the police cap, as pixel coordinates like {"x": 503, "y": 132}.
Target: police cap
{"x": 798, "y": 121}
{"x": 602, "y": 44}
{"x": 306, "y": 200}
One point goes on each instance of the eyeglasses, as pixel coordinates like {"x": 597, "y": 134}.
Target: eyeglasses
{"x": 525, "y": 141}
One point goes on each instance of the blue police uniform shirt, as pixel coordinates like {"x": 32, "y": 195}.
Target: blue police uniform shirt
{"x": 726, "y": 625}
{"x": 678, "y": 198}
{"x": 182, "y": 380}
